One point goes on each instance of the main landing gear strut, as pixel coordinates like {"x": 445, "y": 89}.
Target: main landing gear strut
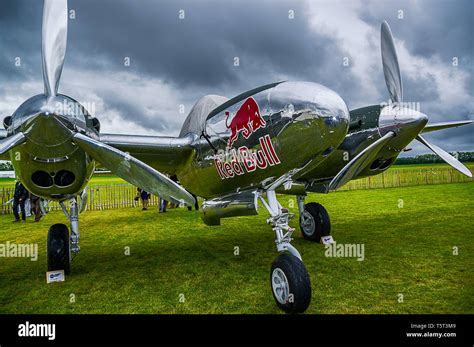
{"x": 288, "y": 276}
{"x": 60, "y": 246}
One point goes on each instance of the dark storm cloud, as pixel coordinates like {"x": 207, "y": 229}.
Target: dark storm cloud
{"x": 20, "y": 36}
{"x": 195, "y": 55}
{"x": 200, "y": 49}
{"x": 428, "y": 27}
{"x": 440, "y": 28}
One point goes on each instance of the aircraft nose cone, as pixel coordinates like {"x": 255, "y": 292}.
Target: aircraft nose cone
{"x": 402, "y": 116}
{"x": 408, "y": 116}
{"x": 46, "y": 129}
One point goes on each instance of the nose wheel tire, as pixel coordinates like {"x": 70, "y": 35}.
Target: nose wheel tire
{"x": 290, "y": 284}
{"x": 314, "y": 222}
{"x": 59, "y": 257}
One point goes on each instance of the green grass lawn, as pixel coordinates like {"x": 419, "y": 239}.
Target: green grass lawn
{"x": 408, "y": 251}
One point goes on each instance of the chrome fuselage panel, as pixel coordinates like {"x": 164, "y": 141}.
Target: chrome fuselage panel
{"x": 368, "y": 125}
{"x": 301, "y": 124}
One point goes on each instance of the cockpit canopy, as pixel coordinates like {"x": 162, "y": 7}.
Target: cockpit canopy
{"x": 196, "y": 120}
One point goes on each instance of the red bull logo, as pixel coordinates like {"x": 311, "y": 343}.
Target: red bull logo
{"x": 246, "y": 121}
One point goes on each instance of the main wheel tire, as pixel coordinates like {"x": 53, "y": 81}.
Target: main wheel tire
{"x": 290, "y": 284}
{"x": 59, "y": 257}
{"x": 315, "y": 222}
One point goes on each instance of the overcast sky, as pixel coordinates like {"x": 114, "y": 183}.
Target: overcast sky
{"x": 174, "y": 61}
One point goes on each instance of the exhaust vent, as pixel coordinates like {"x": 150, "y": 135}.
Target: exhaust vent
{"x": 42, "y": 179}
{"x": 64, "y": 178}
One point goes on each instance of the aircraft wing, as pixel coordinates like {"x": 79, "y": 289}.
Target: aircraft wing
{"x": 163, "y": 153}
{"x": 3, "y": 135}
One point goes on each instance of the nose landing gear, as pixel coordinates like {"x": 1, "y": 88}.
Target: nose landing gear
{"x": 289, "y": 279}
{"x": 60, "y": 246}
{"x": 59, "y": 255}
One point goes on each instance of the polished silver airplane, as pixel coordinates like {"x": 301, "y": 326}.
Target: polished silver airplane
{"x": 284, "y": 137}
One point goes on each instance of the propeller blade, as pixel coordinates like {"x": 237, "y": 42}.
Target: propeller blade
{"x": 356, "y": 165}
{"x": 445, "y": 125}
{"x": 448, "y": 158}
{"x": 11, "y": 142}
{"x": 55, "y": 17}
{"x": 133, "y": 170}
{"x": 391, "y": 69}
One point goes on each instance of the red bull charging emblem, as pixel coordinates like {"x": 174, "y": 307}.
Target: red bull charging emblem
{"x": 246, "y": 121}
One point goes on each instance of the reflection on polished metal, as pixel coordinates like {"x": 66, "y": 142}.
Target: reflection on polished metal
{"x": 133, "y": 170}
{"x": 238, "y": 204}
{"x": 73, "y": 216}
{"x": 279, "y": 219}
{"x": 362, "y": 160}
{"x": 11, "y": 142}
{"x": 444, "y": 125}
{"x": 286, "y": 137}
{"x": 391, "y": 69}
{"x": 446, "y": 157}
{"x": 55, "y": 17}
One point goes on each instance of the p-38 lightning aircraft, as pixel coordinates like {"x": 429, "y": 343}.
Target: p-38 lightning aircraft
{"x": 284, "y": 137}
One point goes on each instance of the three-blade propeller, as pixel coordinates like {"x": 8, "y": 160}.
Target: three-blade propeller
{"x": 393, "y": 80}
{"x": 54, "y": 36}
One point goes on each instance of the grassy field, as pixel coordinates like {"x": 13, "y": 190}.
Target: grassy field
{"x": 173, "y": 256}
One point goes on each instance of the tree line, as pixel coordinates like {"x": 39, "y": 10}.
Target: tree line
{"x": 432, "y": 158}
{"x": 6, "y": 166}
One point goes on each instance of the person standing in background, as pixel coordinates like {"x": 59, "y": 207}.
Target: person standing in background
{"x": 137, "y": 197}
{"x": 174, "y": 178}
{"x": 196, "y": 204}
{"x": 19, "y": 198}
{"x": 163, "y": 204}
{"x": 145, "y": 196}
{"x": 35, "y": 206}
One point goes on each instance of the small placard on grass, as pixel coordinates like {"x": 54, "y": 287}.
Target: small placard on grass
{"x": 327, "y": 240}
{"x": 55, "y": 276}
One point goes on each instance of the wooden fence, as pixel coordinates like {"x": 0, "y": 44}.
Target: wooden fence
{"x": 110, "y": 196}
{"x": 101, "y": 197}
{"x": 409, "y": 177}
